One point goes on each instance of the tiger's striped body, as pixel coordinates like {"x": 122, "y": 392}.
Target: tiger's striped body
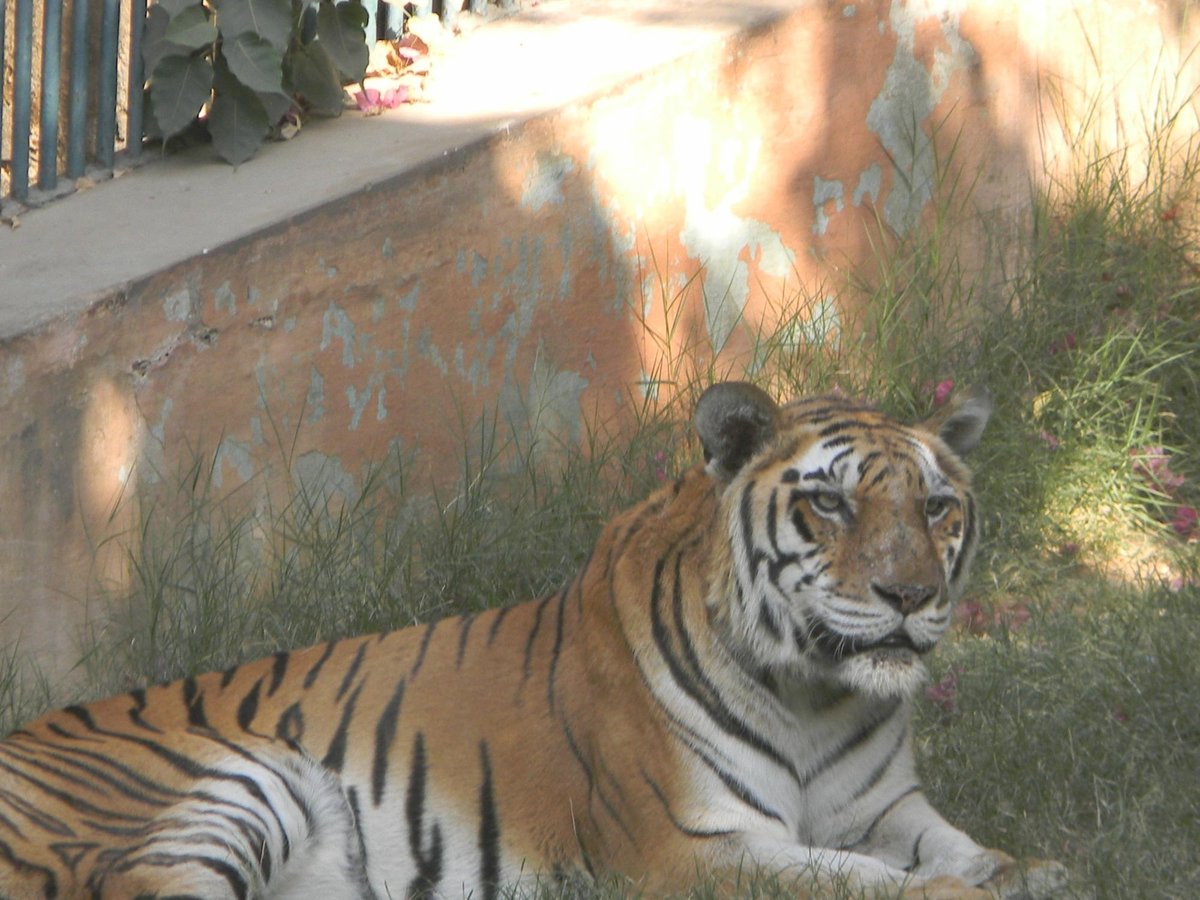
{"x": 726, "y": 682}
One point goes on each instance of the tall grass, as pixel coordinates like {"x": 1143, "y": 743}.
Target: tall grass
{"x": 1065, "y": 723}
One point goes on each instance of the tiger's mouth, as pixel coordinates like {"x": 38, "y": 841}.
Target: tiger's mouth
{"x": 840, "y": 646}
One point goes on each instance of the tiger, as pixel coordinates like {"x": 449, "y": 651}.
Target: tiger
{"x": 725, "y": 688}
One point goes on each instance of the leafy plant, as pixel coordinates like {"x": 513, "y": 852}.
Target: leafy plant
{"x": 250, "y": 63}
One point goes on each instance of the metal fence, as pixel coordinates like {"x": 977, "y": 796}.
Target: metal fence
{"x": 71, "y": 85}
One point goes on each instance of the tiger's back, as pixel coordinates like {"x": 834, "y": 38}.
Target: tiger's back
{"x": 691, "y": 702}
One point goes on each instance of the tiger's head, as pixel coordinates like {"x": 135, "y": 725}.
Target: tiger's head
{"x": 850, "y": 534}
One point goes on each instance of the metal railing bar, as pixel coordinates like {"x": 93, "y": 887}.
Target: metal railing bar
{"x": 51, "y": 79}
{"x": 106, "y": 119}
{"x": 78, "y": 96}
{"x": 133, "y": 132}
{"x": 22, "y": 97}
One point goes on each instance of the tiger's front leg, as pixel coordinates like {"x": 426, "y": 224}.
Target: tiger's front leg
{"x": 821, "y": 871}
{"x": 916, "y": 839}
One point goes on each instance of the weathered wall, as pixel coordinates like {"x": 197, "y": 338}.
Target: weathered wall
{"x": 513, "y": 275}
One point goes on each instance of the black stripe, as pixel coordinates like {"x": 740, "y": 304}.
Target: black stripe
{"x": 679, "y": 826}
{"x": 290, "y": 726}
{"x": 967, "y": 541}
{"x": 248, "y": 708}
{"x": 228, "y": 675}
{"x": 489, "y": 829}
{"x": 533, "y": 633}
{"x": 385, "y": 733}
{"x": 193, "y": 698}
{"x": 429, "y": 864}
{"x": 500, "y": 614}
{"x": 464, "y": 630}
{"x": 348, "y": 678}
{"x": 851, "y": 743}
{"x": 311, "y": 675}
{"x": 429, "y": 629}
{"x": 696, "y": 683}
{"x": 880, "y": 770}
{"x": 170, "y": 860}
{"x": 138, "y": 697}
{"x": 278, "y": 668}
{"x": 556, "y": 650}
{"x": 335, "y": 756}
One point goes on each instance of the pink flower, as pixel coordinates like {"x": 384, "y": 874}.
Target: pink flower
{"x": 660, "y": 459}
{"x": 1048, "y": 439}
{"x": 971, "y": 615}
{"x": 1184, "y": 520}
{"x": 944, "y": 694}
{"x": 1153, "y": 464}
{"x": 942, "y": 391}
{"x": 1059, "y": 346}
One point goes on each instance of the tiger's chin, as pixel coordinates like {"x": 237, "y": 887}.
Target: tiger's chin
{"x": 884, "y": 672}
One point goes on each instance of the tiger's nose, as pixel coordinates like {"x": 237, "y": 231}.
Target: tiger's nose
{"x": 906, "y": 598}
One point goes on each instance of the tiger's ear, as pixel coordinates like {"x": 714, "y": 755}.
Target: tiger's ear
{"x": 734, "y": 420}
{"x": 961, "y": 422}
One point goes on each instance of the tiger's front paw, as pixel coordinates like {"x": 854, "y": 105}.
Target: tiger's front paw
{"x": 1037, "y": 879}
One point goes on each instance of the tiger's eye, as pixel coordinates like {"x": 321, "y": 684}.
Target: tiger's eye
{"x": 936, "y": 507}
{"x": 828, "y": 502}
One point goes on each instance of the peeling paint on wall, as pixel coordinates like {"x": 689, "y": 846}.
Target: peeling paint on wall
{"x": 910, "y": 93}
{"x": 825, "y": 192}
{"x": 336, "y": 324}
{"x": 544, "y": 181}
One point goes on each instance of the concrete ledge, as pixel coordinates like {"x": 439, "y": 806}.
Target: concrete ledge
{"x": 69, "y": 255}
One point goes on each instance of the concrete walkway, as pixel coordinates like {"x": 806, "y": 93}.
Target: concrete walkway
{"x": 89, "y": 247}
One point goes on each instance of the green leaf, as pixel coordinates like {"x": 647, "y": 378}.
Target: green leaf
{"x": 312, "y": 76}
{"x": 277, "y": 106}
{"x": 341, "y": 29}
{"x": 175, "y": 7}
{"x": 155, "y": 45}
{"x": 254, "y": 62}
{"x": 179, "y": 86}
{"x": 269, "y": 19}
{"x": 237, "y": 122}
{"x": 191, "y": 29}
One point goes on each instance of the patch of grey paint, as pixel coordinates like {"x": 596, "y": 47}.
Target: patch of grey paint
{"x": 358, "y": 402}
{"x": 381, "y": 404}
{"x": 256, "y": 432}
{"x": 478, "y": 269}
{"x": 14, "y": 379}
{"x": 408, "y": 300}
{"x": 543, "y": 182}
{"x": 428, "y": 349}
{"x": 224, "y": 300}
{"x": 378, "y": 308}
{"x": 336, "y": 324}
{"x": 566, "y": 243}
{"x": 825, "y": 192}
{"x": 151, "y": 459}
{"x": 869, "y": 184}
{"x": 849, "y": 10}
{"x": 910, "y": 93}
{"x": 289, "y": 324}
{"x": 237, "y": 455}
{"x": 322, "y": 478}
{"x": 547, "y": 411}
{"x": 387, "y": 248}
{"x": 315, "y": 399}
{"x": 254, "y": 297}
{"x": 178, "y": 306}
{"x": 717, "y": 238}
